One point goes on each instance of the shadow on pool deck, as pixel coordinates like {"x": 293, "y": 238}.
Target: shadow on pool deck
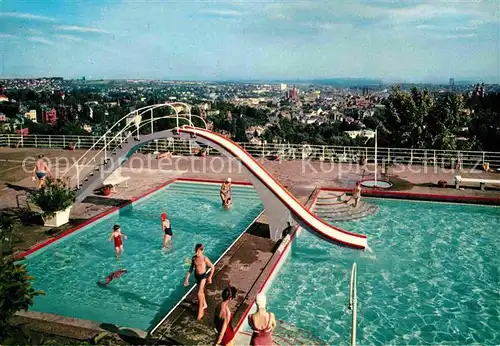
{"x": 107, "y": 201}
{"x": 245, "y": 266}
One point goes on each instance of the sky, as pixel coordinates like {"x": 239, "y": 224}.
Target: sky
{"x": 393, "y": 40}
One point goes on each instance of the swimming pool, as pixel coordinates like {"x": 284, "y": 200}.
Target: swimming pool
{"x": 68, "y": 270}
{"x": 432, "y": 278}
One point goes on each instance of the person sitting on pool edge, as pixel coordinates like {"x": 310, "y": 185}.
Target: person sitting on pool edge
{"x": 226, "y": 191}
{"x": 167, "y": 229}
{"x": 262, "y": 323}
{"x": 200, "y": 262}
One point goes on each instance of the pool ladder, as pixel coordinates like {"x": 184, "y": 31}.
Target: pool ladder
{"x": 353, "y": 303}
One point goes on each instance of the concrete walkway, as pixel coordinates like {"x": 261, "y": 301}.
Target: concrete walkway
{"x": 245, "y": 266}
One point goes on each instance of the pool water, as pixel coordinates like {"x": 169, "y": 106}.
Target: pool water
{"x": 68, "y": 270}
{"x": 432, "y": 278}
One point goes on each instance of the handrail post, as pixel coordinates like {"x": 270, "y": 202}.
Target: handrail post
{"x": 77, "y": 177}
{"x": 353, "y": 303}
{"x": 152, "y": 121}
{"x": 105, "y": 150}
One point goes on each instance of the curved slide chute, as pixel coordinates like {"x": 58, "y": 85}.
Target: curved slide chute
{"x": 312, "y": 222}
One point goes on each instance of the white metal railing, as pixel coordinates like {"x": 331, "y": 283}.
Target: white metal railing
{"x": 353, "y": 303}
{"x": 285, "y": 151}
{"x": 119, "y": 139}
{"x": 110, "y": 140}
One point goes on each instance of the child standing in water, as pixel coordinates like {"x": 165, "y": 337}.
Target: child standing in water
{"x": 116, "y": 235}
{"x": 167, "y": 229}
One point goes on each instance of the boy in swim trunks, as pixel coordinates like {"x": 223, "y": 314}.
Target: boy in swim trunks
{"x": 200, "y": 262}
{"x": 40, "y": 172}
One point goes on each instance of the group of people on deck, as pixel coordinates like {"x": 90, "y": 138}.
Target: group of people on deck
{"x": 262, "y": 322}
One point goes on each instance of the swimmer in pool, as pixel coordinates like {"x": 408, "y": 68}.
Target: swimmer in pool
{"x": 167, "y": 230}
{"x": 226, "y": 191}
{"x": 199, "y": 263}
{"x": 228, "y": 204}
{"x": 111, "y": 277}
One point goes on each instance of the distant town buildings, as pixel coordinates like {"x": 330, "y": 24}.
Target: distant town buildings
{"x": 49, "y": 116}
{"x": 87, "y": 128}
{"x": 31, "y": 115}
{"x": 361, "y": 133}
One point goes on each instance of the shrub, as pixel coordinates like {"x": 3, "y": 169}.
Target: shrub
{"x": 54, "y": 196}
{"x": 16, "y": 292}
{"x": 442, "y": 183}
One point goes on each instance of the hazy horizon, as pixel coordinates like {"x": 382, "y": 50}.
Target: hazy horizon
{"x": 412, "y": 41}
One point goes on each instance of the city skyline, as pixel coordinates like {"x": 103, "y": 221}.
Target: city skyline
{"x": 428, "y": 41}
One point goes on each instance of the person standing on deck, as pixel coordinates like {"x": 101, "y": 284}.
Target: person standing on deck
{"x": 40, "y": 172}
{"x": 223, "y": 318}
{"x": 200, "y": 262}
{"x": 356, "y": 194}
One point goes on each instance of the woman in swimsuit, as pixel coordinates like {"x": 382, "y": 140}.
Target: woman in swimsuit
{"x": 116, "y": 235}
{"x": 167, "y": 229}
{"x": 223, "y": 318}
{"x": 225, "y": 191}
{"x": 262, "y": 323}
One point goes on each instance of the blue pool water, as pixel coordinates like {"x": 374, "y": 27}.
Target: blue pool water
{"x": 68, "y": 270}
{"x": 432, "y": 278}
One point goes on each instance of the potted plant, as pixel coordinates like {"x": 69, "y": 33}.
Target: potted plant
{"x": 55, "y": 199}
{"x": 106, "y": 190}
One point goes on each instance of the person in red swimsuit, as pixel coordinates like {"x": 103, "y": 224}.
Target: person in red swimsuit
{"x": 223, "y": 318}
{"x": 116, "y": 235}
{"x": 262, "y": 323}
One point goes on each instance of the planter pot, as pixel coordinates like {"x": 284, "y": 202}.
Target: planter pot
{"x": 59, "y": 219}
{"x": 106, "y": 191}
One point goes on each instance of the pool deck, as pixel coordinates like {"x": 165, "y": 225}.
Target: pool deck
{"x": 245, "y": 266}
{"x": 16, "y": 182}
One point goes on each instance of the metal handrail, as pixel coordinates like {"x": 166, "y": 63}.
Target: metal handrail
{"x": 140, "y": 125}
{"x": 291, "y": 151}
{"x": 353, "y": 303}
{"x": 103, "y": 137}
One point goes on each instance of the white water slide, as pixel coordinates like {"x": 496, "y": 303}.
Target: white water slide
{"x": 300, "y": 213}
